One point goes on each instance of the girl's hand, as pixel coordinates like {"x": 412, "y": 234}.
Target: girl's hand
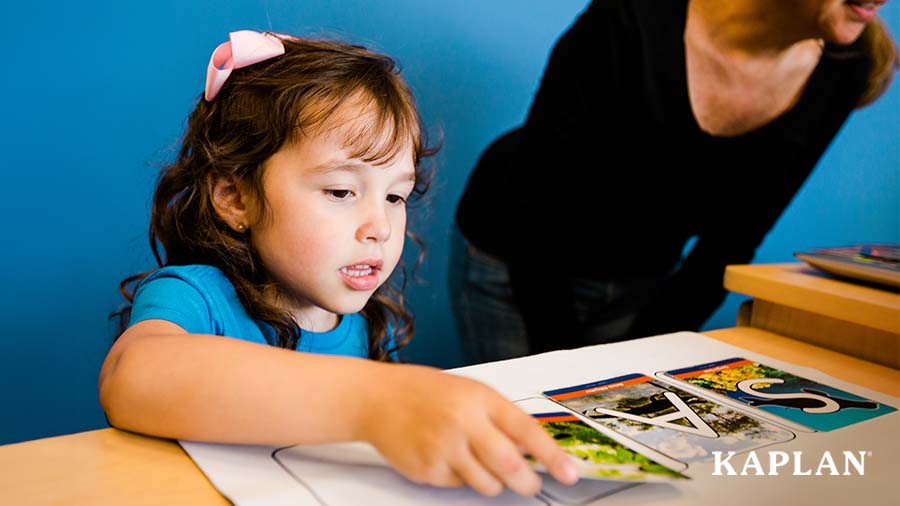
{"x": 448, "y": 431}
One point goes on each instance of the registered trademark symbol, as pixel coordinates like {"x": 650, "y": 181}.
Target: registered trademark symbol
{"x": 868, "y": 454}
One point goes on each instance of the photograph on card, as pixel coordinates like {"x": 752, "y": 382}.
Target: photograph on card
{"x": 598, "y": 453}
{"x": 598, "y": 456}
{"x": 673, "y": 421}
{"x": 782, "y": 394}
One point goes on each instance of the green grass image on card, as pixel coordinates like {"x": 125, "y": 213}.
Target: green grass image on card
{"x": 598, "y": 456}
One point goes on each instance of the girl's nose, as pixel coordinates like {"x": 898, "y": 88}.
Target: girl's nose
{"x": 375, "y": 225}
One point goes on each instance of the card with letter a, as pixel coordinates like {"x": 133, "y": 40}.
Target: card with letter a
{"x": 675, "y": 422}
{"x": 782, "y": 394}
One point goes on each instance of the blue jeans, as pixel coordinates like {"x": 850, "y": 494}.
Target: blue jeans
{"x": 490, "y": 325}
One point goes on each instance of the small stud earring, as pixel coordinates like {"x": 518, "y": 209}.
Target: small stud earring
{"x": 241, "y": 228}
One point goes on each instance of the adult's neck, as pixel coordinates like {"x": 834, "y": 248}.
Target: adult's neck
{"x": 751, "y": 28}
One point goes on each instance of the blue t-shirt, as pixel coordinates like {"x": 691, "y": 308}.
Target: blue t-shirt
{"x": 201, "y": 300}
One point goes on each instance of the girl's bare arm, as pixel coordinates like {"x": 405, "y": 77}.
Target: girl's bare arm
{"x": 433, "y": 427}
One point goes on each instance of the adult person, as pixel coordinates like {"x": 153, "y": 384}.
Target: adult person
{"x": 655, "y": 122}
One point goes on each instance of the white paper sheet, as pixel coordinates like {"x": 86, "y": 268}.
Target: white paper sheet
{"x": 264, "y": 476}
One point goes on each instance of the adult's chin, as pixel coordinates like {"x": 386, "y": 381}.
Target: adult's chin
{"x": 845, "y": 34}
{"x": 843, "y": 29}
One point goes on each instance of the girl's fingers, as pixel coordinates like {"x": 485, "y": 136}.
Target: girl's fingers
{"x": 437, "y": 476}
{"x": 454, "y": 480}
{"x": 474, "y": 474}
{"x": 527, "y": 433}
{"x": 499, "y": 455}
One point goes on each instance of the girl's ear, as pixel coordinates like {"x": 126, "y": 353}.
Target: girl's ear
{"x": 231, "y": 201}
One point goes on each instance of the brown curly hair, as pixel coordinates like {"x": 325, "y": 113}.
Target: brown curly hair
{"x": 259, "y": 109}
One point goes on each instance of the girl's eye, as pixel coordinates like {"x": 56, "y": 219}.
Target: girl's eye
{"x": 393, "y": 199}
{"x": 339, "y": 194}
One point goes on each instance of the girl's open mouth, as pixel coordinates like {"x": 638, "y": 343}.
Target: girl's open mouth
{"x": 362, "y": 276}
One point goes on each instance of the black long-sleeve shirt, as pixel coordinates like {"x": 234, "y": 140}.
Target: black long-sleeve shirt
{"x": 611, "y": 155}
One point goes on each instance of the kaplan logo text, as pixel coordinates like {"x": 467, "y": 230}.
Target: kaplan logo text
{"x": 854, "y": 464}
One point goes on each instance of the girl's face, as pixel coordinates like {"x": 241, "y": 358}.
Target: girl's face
{"x": 842, "y": 21}
{"x": 335, "y": 226}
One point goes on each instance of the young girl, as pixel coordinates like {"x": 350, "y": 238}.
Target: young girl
{"x": 281, "y": 219}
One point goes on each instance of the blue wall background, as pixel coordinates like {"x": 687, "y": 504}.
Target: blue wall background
{"x": 94, "y": 96}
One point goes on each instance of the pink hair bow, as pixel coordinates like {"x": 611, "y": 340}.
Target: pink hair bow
{"x": 244, "y": 48}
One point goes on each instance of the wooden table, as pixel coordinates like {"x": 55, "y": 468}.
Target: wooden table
{"x": 797, "y": 301}
{"x": 113, "y": 467}
{"x": 102, "y": 467}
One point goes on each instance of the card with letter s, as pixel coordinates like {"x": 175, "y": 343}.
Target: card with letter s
{"x": 781, "y": 394}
